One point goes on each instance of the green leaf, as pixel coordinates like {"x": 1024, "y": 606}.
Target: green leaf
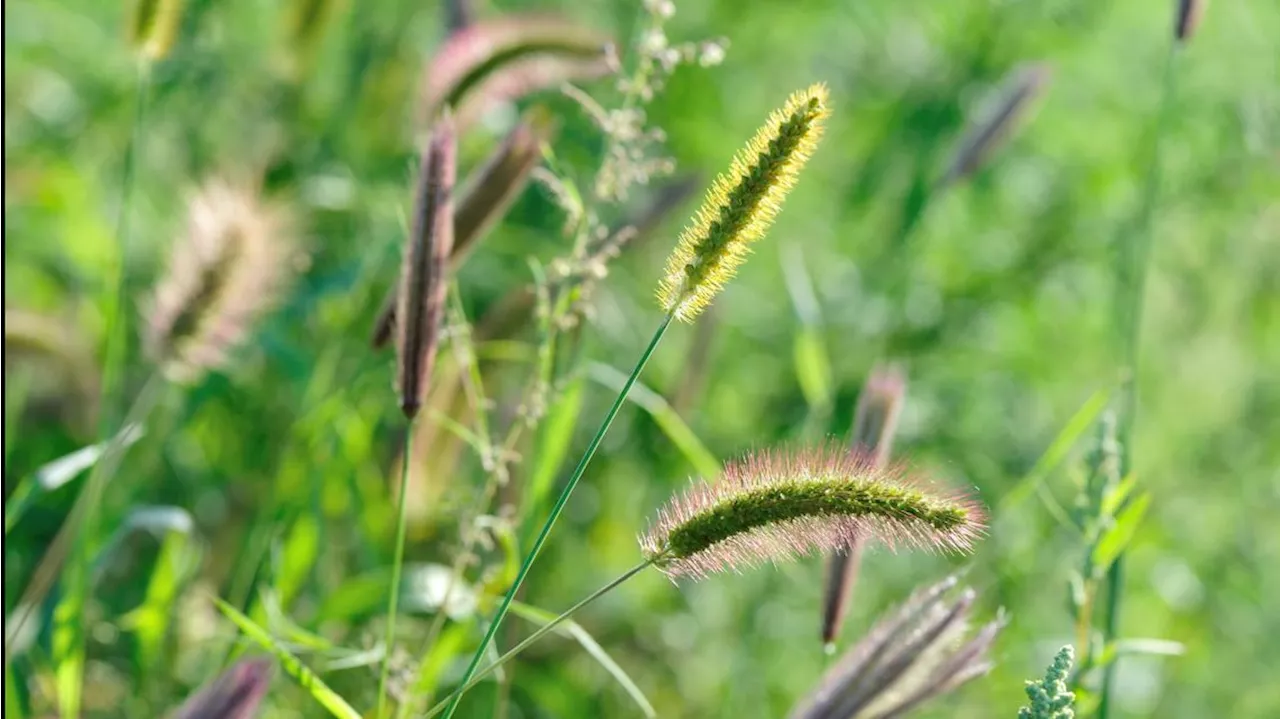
{"x": 813, "y": 368}
{"x": 1057, "y": 451}
{"x": 13, "y": 695}
{"x": 57, "y": 473}
{"x": 307, "y": 679}
{"x": 1116, "y": 496}
{"x": 448, "y": 646}
{"x": 176, "y": 563}
{"x": 694, "y": 451}
{"x": 1117, "y": 537}
{"x": 592, "y": 647}
{"x": 555, "y": 438}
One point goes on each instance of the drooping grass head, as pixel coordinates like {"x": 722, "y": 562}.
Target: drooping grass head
{"x": 774, "y": 505}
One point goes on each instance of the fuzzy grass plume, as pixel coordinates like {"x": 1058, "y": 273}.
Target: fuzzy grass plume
{"x": 775, "y": 505}
{"x": 426, "y": 256}
{"x": 919, "y": 652}
{"x": 874, "y": 424}
{"x": 741, "y": 204}
{"x": 223, "y": 275}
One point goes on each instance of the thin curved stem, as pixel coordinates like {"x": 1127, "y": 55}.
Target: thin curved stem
{"x": 542, "y": 632}
{"x": 1133, "y": 278}
{"x": 556, "y": 510}
{"x": 397, "y": 566}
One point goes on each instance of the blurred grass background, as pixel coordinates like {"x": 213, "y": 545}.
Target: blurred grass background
{"x": 1003, "y": 327}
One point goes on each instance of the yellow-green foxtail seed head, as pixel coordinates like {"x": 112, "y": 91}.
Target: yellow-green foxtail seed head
{"x": 774, "y": 505}
{"x": 154, "y": 27}
{"x": 741, "y": 204}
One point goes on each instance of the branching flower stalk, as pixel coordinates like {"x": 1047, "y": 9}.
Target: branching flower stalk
{"x": 739, "y": 208}
{"x": 1131, "y": 275}
{"x": 772, "y": 506}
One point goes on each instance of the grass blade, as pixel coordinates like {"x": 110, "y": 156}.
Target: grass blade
{"x": 554, "y": 440}
{"x": 307, "y": 679}
{"x": 592, "y": 647}
{"x": 1079, "y": 423}
{"x": 668, "y": 420}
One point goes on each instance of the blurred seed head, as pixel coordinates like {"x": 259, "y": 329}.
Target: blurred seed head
{"x": 154, "y": 27}
{"x": 919, "y": 652}
{"x": 223, "y": 274}
{"x": 770, "y": 506}
{"x": 503, "y": 59}
{"x": 985, "y": 136}
{"x": 485, "y": 198}
{"x": 423, "y": 279}
{"x": 874, "y": 424}
{"x": 1190, "y": 12}
{"x": 1050, "y": 698}
{"x": 742, "y": 203}
{"x": 235, "y": 694}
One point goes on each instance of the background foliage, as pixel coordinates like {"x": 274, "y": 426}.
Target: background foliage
{"x": 1003, "y": 328}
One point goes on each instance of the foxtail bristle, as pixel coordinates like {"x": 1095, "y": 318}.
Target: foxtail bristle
{"x": 154, "y": 27}
{"x": 1188, "y": 18}
{"x": 741, "y": 204}
{"x": 423, "y": 280}
{"x": 775, "y": 505}
{"x": 224, "y": 273}
{"x": 874, "y": 424}
{"x": 982, "y": 138}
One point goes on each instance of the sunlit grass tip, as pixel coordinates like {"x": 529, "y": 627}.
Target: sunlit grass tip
{"x": 774, "y": 505}
{"x": 223, "y": 274}
{"x": 154, "y": 27}
{"x": 742, "y": 203}
{"x": 423, "y": 271}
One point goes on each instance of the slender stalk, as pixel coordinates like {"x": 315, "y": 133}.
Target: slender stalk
{"x": 81, "y": 524}
{"x": 556, "y": 510}
{"x": 397, "y": 566}
{"x": 78, "y": 530}
{"x": 1132, "y": 275}
{"x": 542, "y": 632}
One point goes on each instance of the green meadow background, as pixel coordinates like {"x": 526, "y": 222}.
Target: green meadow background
{"x": 1003, "y": 325}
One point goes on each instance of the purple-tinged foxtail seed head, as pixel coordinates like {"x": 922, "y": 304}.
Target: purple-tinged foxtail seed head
{"x": 235, "y": 694}
{"x": 770, "y": 506}
{"x": 920, "y": 651}
{"x": 984, "y": 137}
{"x": 1190, "y": 12}
{"x": 423, "y": 279}
{"x": 874, "y": 424}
